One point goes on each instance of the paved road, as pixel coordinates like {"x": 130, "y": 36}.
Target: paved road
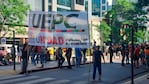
{"x": 111, "y": 74}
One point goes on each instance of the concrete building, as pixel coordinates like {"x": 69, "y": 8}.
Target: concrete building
{"x": 96, "y": 10}
{"x": 48, "y": 5}
{"x": 64, "y": 5}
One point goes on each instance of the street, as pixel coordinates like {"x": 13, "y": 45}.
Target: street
{"x": 111, "y": 74}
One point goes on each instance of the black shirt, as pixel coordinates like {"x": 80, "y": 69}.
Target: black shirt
{"x": 97, "y": 56}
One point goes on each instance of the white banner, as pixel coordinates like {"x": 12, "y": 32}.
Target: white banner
{"x": 59, "y": 29}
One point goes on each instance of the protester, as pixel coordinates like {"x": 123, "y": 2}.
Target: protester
{"x": 78, "y": 56}
{"x": 39, "y": 56}
{"x": 68, "y": 56}
{"x": 33, "y": 54}
{"x": 84, "y": 55}
{"x": 127, "y": 54}
{"x": 60, "y": 58}
{"x": 136, "y": 56}
{"x": 97, "y": 62}
{"x": 19, "y": 53}
{"x": 146, "y": 50}
{"x": 111, "y": 53}
{"x": 25, "y": 53}
{"x": 94, "y": 46}
{"x": 123, "y": 53}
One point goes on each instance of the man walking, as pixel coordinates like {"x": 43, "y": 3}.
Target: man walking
{"x": 111, "y": 53}
{"x": 25, "y": 54}
{"x": 60, "y": 58}
{"x": 68, "y": 56}
{"x": 97, "y": 62}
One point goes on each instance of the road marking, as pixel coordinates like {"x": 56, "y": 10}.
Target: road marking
{"x": 37, "y": 81}
{"x": 18, "y": 79}
{"x": 12, "y": 76}
{"x": 59, "y": 82}
{"x": 80, "y": 82}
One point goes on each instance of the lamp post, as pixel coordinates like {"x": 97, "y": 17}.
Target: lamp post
{"x": 13, "y": 46}
{"x": 132, "y": 51}
{"x": 132, "y": 54}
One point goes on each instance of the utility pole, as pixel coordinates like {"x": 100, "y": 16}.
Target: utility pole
{"x": 13, "y": 46}
{"x": 132, "y": 55}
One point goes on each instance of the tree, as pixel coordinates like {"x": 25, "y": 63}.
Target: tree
{"x": 105, "y": 31}
{"x": 126, "y": 12}
{"x": 139, "y": 35}
{"x": 117, "y": 13}
{"x": 12, "y": 13}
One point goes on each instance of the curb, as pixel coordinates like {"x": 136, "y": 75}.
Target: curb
{"x": 49, "y": 68}
{"x": 128, "y": 78}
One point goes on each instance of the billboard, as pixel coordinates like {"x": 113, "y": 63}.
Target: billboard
{"x": 59, "y": 29}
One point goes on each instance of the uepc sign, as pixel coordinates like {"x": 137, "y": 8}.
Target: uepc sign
{"x": 58, "y": 29}
{"x": 49, "y": 20}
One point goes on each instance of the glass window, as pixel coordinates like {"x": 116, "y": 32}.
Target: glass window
{"x": 50, "y": 1}
{"x": 86, "y": 5}
{"x": 49, "y": 8}
{"x": 96, "y": 7}
{"x": 103, "y": 1}
{"x": 103, "y": 8}
{"x": 61, "y": 9}
{"x": 81, "y": 2}
{"x": 64, "y": 2}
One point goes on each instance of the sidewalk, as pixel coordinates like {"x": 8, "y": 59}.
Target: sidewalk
{"x": 8, "y": 69}
{"x": 139, "y": 80}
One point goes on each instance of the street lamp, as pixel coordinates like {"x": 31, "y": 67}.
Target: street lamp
{"x": 13, "y": 46}
{"x": 132, "y": 52}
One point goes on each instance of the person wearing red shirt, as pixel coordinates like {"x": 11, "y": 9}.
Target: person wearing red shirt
{"x": 136, "y": 56}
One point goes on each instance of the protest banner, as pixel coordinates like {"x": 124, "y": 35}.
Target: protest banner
{"x": 59, "y": 29}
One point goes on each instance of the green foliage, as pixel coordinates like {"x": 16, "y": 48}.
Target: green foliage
{"x": 105, "y": 31}
{"x": 126, "y": 12}
{"x": 139, "y": 36}
{"x": 21, "y": 30}
{"x": 12, "y": 13}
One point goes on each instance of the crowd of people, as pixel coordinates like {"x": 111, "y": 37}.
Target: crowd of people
{"x": 40, "y": 55}
{"x": 140, "y": 56}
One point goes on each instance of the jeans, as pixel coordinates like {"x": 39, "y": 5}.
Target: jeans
{"x": 96, "y": 66}
{"x": 61, "y": 61}
{"x": 39, "y": 58}
{"x": 24, "y": 65}
{"x": 78, "y": 61}
{"x": 33, "y": 58}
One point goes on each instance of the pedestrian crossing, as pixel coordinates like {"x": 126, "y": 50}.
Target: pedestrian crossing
{"x": 30, "y": 79}
{"x": 35, "y": 79}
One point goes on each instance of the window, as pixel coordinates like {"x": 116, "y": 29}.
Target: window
{"x": 81, "y": 2}
{"x": 64, "y": 2}
{"x": 103, "y": 8}
{"x": 86, "y": 5}
{"x": 103, "y": 1}
{"x": 61, "y": 9}
{"x": 96, "y": 7}
{"x": 49, "y": 8}
{"x": 50, "y": 1}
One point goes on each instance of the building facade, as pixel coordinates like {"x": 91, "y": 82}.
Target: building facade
{"x": 64, "y": 5}
{"x": 95, "y": 9}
